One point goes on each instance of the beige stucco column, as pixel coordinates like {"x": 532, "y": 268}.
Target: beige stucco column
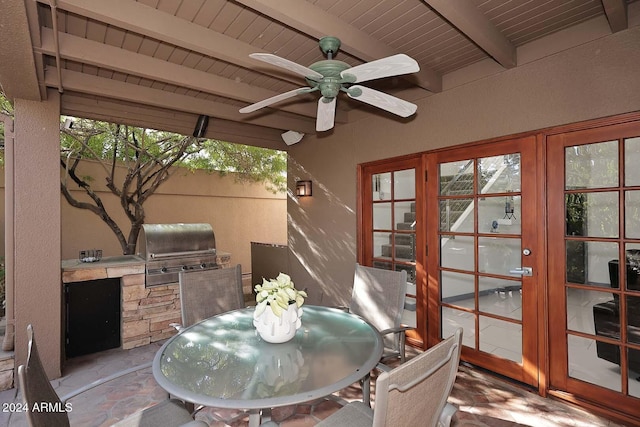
{"x": 36, "y": 229}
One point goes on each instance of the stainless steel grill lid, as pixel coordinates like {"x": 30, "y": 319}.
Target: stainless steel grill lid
{"x": 171, "y": 248}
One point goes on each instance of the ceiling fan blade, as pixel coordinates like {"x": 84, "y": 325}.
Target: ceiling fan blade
{"x": 386, "y": 67}
{"x": 382, "y": 100}
{"x": 326, "y": 113}
{"x": 286, "y": 64}
{"x": 273, "y": 100}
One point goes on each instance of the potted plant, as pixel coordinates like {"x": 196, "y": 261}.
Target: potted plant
{"x": 278, "y": 294}
{"x": 279, "y": 324}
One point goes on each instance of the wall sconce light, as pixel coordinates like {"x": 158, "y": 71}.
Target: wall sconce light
{"x": 201, "y": 126}
{"x": 303, "y": 188}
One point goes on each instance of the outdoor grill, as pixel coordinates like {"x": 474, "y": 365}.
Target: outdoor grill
{"x": 169, "y": 249}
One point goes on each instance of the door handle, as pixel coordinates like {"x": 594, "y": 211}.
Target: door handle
{"x": 523, "y": 271}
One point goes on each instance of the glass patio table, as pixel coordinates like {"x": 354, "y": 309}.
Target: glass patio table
{"x": 222, "y": 362}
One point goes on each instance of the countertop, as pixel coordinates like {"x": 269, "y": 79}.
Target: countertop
{"x": 105, "y": 262}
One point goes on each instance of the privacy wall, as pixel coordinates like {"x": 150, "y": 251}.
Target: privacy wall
{"x": 239, "y": 212}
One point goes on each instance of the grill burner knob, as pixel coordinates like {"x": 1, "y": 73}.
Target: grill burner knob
{"x": 163, "y": 269}
{"x": 184, "y": 267}
{"x": 203, "y": 265}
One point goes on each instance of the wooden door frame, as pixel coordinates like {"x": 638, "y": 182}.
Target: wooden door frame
{"x": 560, "y": 384}
{"x": 417, "y": 337}
{"x": 528, "y": 374}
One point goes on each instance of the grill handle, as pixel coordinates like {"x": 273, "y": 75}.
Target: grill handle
{"x": 182, "y": 254}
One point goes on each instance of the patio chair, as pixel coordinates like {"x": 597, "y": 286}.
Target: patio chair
{"x": 378, "y": 296}
{"x": 37, "y": 392}
{"x": 205, "y": 293}
{"x": 412, "y": 394}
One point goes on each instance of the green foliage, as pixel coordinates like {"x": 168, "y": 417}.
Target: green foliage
{"x": 102, "y": 141}
{"x": 5, "y": 109}
{"x": 5, "y": 106}
{"x": 93, "y": 140}
{"x": 252, "y": 164}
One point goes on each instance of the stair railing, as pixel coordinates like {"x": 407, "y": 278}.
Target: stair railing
{"x": 463, "y": 171}
{"x": 469, "y": 208}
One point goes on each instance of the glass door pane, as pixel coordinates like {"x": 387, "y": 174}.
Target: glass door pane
{"x": 496, "y": 245}
{"x": 594, "y": 281}
{"x": 393, "y": 206}
{"x": 593, "y": 293}
{"x": 482, "y": 202}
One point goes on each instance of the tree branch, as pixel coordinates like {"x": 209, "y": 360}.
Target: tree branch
{"x": 98, "y": 208}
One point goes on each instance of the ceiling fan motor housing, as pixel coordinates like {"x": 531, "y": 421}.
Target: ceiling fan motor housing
{"x": 331, "y": 82}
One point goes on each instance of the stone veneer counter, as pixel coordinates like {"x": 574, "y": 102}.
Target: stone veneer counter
{"x": 146, "y": 312}
{"x": 73, "y": 270}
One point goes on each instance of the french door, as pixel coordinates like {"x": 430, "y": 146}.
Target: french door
{"x": 392, "y": 213}
{"x": 532, "y": 246}
{"x": 594, "y": 265}
{"x": 482, "y": 253}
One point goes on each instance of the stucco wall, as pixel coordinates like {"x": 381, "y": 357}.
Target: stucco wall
{"x": 595, "y": 79}
{"x": 36, "y": 220}
{"x": 238, "y": 212}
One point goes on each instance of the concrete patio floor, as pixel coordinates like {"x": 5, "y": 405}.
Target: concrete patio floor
{"x": 483, "y": 400}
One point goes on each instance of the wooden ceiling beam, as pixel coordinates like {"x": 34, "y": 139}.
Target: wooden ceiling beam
{"x": 115, "y": 111}
{"x": 311, "y": 20}
{"x": 18, "y": 73}
{"x": 113, "y": 58}
{"x": 139, "y": 18}
{"x": 80, "y": 82}
{"x": 616, "y": 11}
{"x": 464, "y": 16}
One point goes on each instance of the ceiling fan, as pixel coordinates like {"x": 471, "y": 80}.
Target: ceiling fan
{"x": 331, "y": 77}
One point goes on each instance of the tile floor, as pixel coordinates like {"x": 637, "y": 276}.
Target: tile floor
{"x": 505, "y": 339}
{"x": 482, "y": 399}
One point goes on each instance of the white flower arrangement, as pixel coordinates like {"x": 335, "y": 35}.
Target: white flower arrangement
{"x": 277, "y": 293}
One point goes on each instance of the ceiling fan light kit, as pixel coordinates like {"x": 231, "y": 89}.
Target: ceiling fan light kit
{"x": 330, "y": 77}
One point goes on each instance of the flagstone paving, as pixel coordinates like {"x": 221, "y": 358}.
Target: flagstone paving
{"x": 483, "y": 400}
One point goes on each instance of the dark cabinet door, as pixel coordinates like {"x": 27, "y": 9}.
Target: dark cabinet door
{"x": 93, "y": 312}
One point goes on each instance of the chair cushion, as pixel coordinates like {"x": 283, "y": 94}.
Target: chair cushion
{"x": 171, "y": 412}
{"x": 355, "y": 414}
